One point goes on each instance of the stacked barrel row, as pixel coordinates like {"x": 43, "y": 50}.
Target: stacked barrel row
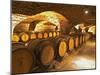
{"x": 24, "y": 37}
{"x": 42, "y": 52}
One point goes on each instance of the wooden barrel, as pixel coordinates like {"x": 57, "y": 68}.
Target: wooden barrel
{"x": 43, "y": 50}
{"x": 15, "y": 38}
{"x": 58, "y": 33}
{"x": 33, "y": 36}
{"x": 77, "y": 41}
{"x": 50, "y": 34}
{"x": 24, "y": 37}
{"x": 22, "y": 59}
{"x": 46, "y": 35}
{"x": 71, "y": 43}
{"x": 40, "y": 35}
{"x": 61, "y": 47}
{"x": 54, "y": 34}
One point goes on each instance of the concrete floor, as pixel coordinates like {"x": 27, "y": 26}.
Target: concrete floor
{"x": 81, "y": 58}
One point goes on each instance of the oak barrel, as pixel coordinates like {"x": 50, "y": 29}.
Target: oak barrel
{"x": 22, "y": 59}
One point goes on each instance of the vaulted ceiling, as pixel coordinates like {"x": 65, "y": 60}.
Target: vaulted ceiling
{"x": 75, "y": 13}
